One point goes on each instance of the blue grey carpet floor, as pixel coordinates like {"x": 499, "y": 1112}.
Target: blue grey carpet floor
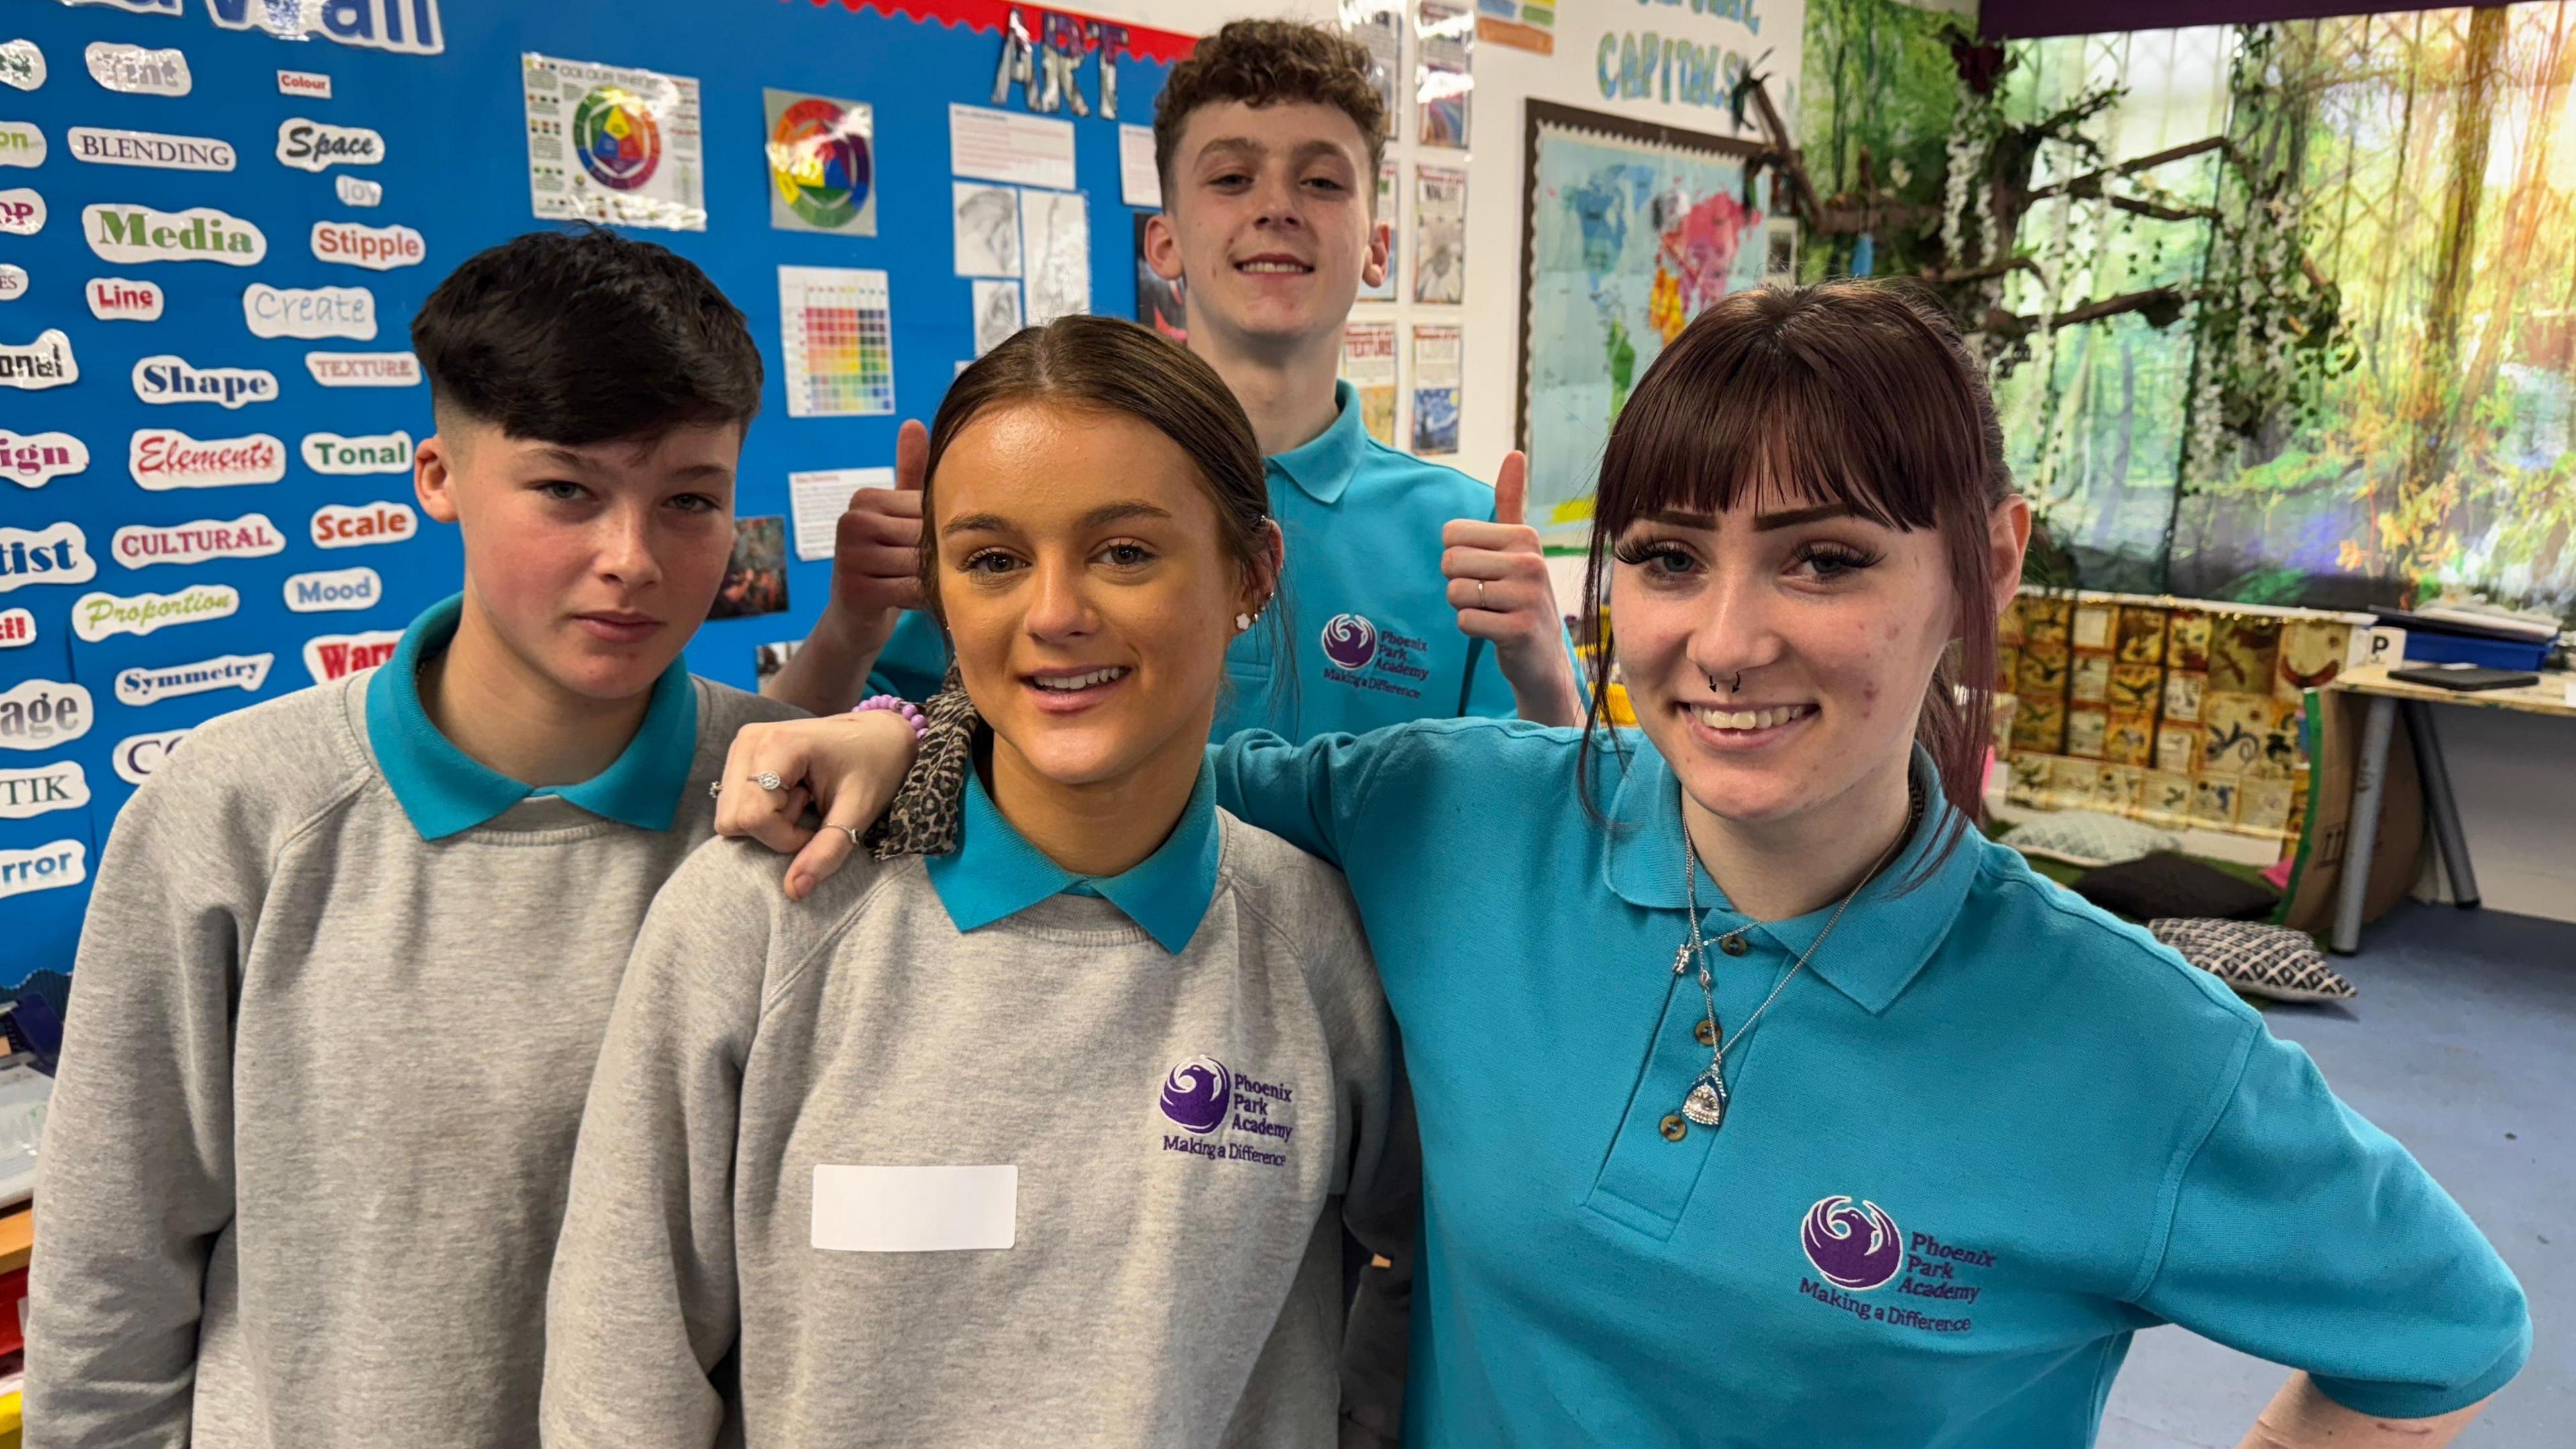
{"x": 2462, "y": 1045}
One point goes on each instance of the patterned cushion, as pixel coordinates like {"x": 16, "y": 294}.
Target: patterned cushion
{"x": 2087, "y": 837}
{"x": 2273, "y": 962}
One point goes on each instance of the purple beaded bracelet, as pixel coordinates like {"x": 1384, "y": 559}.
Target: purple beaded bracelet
{"x": 892, "y": 704}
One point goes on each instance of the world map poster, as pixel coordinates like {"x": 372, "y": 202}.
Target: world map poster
{"x": 1630, "y": 231}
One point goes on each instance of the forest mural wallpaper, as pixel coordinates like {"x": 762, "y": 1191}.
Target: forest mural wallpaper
{"x": 2279, "y": 314}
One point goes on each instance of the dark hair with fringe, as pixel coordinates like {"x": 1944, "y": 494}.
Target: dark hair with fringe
{"x": 1106, "y": 365}
{"x": 583, "y": 336}
{"x": 1266, "y": 63}
{"x": 1852, "y": 392}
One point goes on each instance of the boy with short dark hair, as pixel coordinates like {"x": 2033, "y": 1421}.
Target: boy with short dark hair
{"x": 352, "y": 951}
{"x": 1417, "y": 591}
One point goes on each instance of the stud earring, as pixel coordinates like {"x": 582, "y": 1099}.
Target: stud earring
{"x": 1242, "y": 622}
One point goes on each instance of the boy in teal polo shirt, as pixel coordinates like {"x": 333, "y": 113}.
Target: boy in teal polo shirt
{"x": 1416, "y": 592}
{"x": 352, "y": 951}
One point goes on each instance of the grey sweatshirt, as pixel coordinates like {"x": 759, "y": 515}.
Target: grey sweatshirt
{"x": 307, "y": 1154}
{"x": 783, "y": 1080}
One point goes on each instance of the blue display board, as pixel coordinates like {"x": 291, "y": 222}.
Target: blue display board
{"x": 455, "y": 170}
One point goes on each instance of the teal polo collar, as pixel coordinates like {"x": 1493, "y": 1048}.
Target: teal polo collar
{"x": 1885, "y": 938}
{"x": 445, "y": 791}
{"x": 995, "y": 873}
{"x": 1323, "y": 465}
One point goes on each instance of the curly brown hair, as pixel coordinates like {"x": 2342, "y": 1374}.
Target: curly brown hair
{"x": 1266, "y": 62}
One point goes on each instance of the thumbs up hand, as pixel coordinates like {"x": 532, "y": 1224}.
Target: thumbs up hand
{"x": 876, "y": 551}
{"x": 1498, "y": 584}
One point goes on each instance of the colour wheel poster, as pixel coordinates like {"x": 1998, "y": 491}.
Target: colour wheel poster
{"x": 838, "y": 336}
{"x": 613, "y": 144}
{"x": 822, "y": 164}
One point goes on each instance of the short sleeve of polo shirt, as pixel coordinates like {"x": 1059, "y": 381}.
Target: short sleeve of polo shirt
{"x": 914, "y": 660}
{"x": 2302, "y": 1234}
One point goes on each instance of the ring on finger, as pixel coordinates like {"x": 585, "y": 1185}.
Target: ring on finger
{"x": 768, "y": 780}
{"x": 1480, "y": 593}
{"x": 856, "y": 833}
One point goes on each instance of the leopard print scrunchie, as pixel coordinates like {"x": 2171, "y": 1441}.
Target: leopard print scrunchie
{"x": 928, "y": 815}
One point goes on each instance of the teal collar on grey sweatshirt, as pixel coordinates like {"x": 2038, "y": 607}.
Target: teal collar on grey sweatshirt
{"x": 995, "y": 872}
{"x": 445, "y": 791}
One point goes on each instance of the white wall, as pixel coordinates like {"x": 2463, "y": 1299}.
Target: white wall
{"x": 2515, "y": 779}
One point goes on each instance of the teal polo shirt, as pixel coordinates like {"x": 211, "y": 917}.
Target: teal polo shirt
{"x": 995, "y": 873}
{"x": 1371, "y": 638}
{"x": 1986, "y": 1136}
{"x": 444, "y": 791}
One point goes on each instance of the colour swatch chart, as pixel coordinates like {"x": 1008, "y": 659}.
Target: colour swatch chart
{"x": 838, "y": 337}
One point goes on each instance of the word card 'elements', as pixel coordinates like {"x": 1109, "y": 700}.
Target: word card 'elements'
{"x": 309, "y": 312}
{"x": 102, "y": 616}
{"x": 363, "y": 369}
{"x": 161, "y": 459}
{"x": 137, "y": 71}
{"x": 163, "y": 378}
{"x": 317, "y": 145}
{"x": 124, "y": 232}
{"x": 43, "y": 363}
{"x": 377, "y": 248}
{"x": 123, "y": 299}
{"x": 32, "y": 460}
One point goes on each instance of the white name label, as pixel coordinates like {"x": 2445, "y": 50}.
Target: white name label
{"x": 346, "y": 457}
{"x": 166, "y": 379}
{"x": 245, "y": 672}
{"x": 137, "y": 71}
{"x": 32, "y": 460}
{"x": 100, "y": 616}
{"x": 334, "y": 591}
{"x": 309, "y": 312}
{"x": 122, "y": 232}
{"x": 122, "y": 299}
{"x": 26, "y": 794}
{"x": 318, "y": 145}
{"x": 363, "y": 369}
{"x": 915, "y": 1209}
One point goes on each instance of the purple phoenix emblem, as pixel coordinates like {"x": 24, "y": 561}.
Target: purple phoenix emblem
{"x": 1349, "y": 640}
{"x": 1854, "y": 1247}
{"x": 1197, "y": 1092}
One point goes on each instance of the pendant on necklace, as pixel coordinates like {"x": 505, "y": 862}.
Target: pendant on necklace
{"x": 1706, "y": 1104}
{"x": 1682, "y": 959}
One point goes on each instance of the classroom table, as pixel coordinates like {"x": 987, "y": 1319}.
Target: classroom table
{"x": 2554, "y": 695}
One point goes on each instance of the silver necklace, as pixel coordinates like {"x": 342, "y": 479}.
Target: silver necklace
{"x": 1706, "y": 1103}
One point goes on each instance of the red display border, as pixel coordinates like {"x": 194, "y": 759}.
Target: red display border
{"x": 1144, "y": 42}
